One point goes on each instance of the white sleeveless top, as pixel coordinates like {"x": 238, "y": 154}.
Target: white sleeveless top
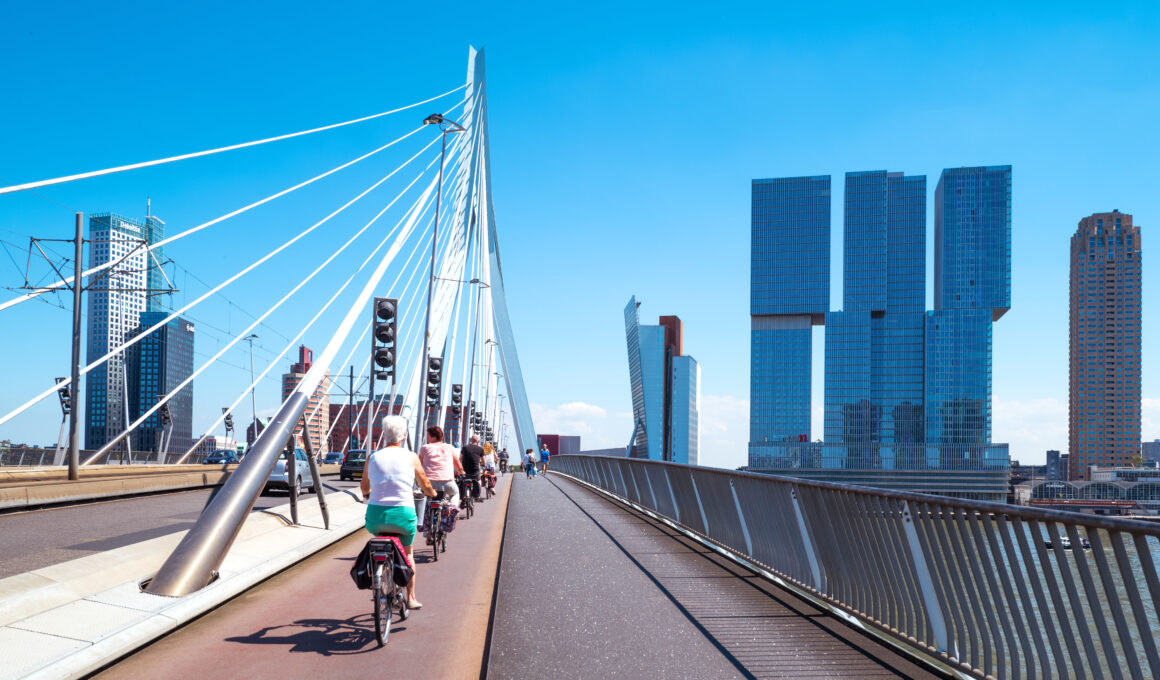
{"x": 392, "y": 475}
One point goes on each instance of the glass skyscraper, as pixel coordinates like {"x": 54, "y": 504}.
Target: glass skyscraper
{"x": 157, "y": 365}
{"x": 666, "y": 393}
{"x": 789, "y": 293}
{"x": 906, "y": 390}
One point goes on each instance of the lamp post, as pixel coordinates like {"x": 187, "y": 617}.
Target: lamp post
{"x": 446, "y": 125}
{"x": 253, "y": 399}
{"x": 490, "y": 345}
{"x": 474, "y": 340}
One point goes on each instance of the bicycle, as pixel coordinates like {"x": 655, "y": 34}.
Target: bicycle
{"x": 437, "y": 508}
{"x": 386, "y": 594}
{"x": 489, "y": 483}
{"x": 468, "y": 502}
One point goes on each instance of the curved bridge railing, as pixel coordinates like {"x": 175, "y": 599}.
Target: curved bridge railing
{"x": 986, "y": 589}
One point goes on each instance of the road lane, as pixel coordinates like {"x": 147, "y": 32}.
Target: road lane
{"x": 39, "y": 538}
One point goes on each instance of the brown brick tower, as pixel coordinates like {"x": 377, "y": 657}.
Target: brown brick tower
{"x": 1104, "y": 343}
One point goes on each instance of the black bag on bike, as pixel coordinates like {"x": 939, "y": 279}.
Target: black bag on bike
{"x": 363, "y": 572}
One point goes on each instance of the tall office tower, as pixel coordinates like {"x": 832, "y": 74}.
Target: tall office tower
{"x": 157, "y": 365}
{"x": 789, "y": 293}
{"x": 874, "y": 347}
{"x": 1104, "y": 375}
{"x": 318, "y": 403}
{"x": 1051, "y": 470}
{"x": 665, "y": 389}
{"x": 972, "y": 289}
{"x": 114, "y": 310}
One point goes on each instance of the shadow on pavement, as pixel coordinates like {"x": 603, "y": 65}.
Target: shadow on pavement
{"x": 326, "y": 637}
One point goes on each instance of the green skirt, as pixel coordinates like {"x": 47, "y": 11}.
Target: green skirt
{"x": 392, "y": 519}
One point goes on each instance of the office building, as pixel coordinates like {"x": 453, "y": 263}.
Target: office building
{"x": 1104, "y": 343}
{"x": 789, "y": 294}
{"x": 1053, "y": 470}
{"x": 157, "y": 365}
{"x": 114, "y": 310}
{"x": 907, "y": 391}
{"x": 1150, "y": 451}
{"x": 318, "y": 403}
{"x": 665, "y": 386}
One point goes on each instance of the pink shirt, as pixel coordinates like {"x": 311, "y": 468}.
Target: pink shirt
{"x": 438, "y": 461}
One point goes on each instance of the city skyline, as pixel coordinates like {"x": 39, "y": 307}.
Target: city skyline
{"x": 1010, "y": 83}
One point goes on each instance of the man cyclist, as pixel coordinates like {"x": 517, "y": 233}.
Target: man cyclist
{"x": 471, "y": 457}
{"x": 441, "y": 465}
{"x": 503, "y": 461}
{"x": 544, "y": 454}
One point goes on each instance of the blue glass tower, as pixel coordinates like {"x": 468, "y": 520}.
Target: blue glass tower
{"x": 789, "y": 293}
{"x": 666, "y": 392}
{"x": 874, "y": 348}
{"x": 972, "y": 283}
{"x": 157, "y": 365}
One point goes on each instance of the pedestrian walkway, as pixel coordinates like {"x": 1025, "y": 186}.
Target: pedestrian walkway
{"x": 311, "y": 621}
{"x": 591, "y": 589}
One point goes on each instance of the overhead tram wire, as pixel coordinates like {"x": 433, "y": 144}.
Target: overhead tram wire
{"x": 192, "y": 230}
{"x": 318, "y": 315}
{"x": 220, "y": 286}
{"x": 197, "y": 154}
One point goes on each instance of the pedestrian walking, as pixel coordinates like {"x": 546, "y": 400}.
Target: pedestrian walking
{"x": 530, "y": 463}
{"x": 544, "y": 454}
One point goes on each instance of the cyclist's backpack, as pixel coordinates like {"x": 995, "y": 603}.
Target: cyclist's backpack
{"x": 447, "y": 520}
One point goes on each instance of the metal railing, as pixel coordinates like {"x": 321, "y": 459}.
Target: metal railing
{"x": 37, "y": 457}
{"x": 988, "y": 589}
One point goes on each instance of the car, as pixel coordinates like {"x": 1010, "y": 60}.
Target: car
{"x": 222, "y": 457}
{"x": 278, "y": 478}
{"x": 332, "y": 458}
{"x": 352, "y": 465}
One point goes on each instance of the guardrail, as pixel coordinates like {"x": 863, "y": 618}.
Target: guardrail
{"x": 988, "y": 589}
{"x": 30, "y": 457}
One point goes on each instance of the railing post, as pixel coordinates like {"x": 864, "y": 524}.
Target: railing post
{"x": 644, "y": 471}
{"x": 806, "y": 540}
{"x": 672, "y": 496}
{"x": 933, "y": 608}
{"x": 741, "y": 517}
{"x": 700, "y": 506}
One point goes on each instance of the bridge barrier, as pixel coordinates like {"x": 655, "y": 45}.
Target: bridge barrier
{"x": 985, "y": 589}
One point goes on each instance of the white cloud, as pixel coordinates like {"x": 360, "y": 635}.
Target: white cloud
{"x": 1149, "y": 419}
{"x": 1030, "y": 426}
{"x": 724, "y": 423}
{"x": 596, "y": 428}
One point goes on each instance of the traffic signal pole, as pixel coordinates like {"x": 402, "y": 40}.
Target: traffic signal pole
{"x": 74, "y": 430}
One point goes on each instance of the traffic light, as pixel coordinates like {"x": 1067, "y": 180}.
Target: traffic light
{"x": 63, "y": 392}
{"x": 456, "y": 398}
{"x": 434, "y": 381}
{"x": 229, "y": 422}
{"x": 386, "y": 333}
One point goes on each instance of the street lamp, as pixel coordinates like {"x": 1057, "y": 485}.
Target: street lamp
{"x": 446, "y": 125}
{"x": 253, "y": 399}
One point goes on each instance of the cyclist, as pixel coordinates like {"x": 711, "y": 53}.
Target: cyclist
{"x": 471, "y": 456}
{"x": 388, "y": 477}
{"x": 441, "y": 465}
{"x": 503, "y": 461}
{"x": 544, "y": 454}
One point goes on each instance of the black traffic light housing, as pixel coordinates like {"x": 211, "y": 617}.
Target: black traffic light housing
{"x": 384, "y": 340}
{"x": 434, "y": 381}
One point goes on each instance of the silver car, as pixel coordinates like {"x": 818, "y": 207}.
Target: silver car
{"x": 278, "y": 478}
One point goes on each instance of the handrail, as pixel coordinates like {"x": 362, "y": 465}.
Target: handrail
{"x": 984, "y": 588}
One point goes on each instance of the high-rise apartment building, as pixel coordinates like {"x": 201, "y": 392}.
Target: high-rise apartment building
{"x": 1104, "y": 355}
{"x": 318, "y": 403}
{"x": 666, "y": 392}
{"x": 789, "y": 293}
{"x": 157, "y": 365}
{"x": 906, "y": 390}
{"x": 114, "y": 310}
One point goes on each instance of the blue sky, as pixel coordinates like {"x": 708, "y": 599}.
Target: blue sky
{"x": 624, "y": 137}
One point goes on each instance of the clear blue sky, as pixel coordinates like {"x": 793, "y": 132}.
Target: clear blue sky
{"x": 624, "y": 137}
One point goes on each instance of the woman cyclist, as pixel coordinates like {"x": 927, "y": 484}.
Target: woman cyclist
{"x": 441, "y": 463}
{"x": 388, "y": 477}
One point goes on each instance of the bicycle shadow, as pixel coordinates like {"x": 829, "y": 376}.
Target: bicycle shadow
{"x": 326, "y": 637}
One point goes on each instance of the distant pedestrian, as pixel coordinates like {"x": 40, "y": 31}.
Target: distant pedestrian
{"x": 530, "y": 463}
{"x": 544, "y": 454}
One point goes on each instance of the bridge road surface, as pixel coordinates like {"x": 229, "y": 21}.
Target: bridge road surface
{"x": 591, "y": 589}
{"x": 311, "y": 622}
{"x": 31, "y": 539}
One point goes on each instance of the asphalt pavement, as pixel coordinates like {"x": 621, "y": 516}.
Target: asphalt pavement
{"x": 590, "y": 589}
{"x": 38, "y": 538}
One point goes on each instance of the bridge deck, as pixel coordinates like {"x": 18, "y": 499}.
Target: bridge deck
{"x": 591, "y": 589}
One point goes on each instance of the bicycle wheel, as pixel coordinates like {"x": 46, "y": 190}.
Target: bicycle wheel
{"x": 382, "y": 615}
{"x": 400, "y": 595}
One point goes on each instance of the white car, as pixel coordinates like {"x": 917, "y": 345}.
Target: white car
{"x": 278, "y": 478}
